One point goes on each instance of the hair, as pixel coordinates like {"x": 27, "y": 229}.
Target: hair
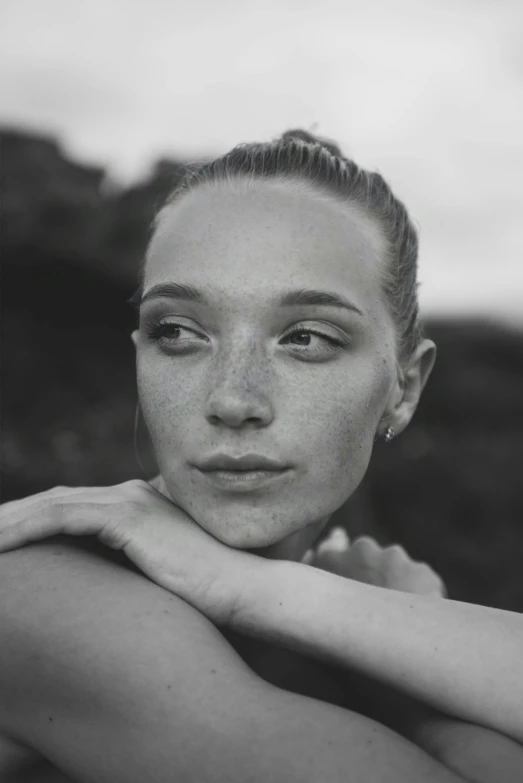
{"x": 301, "y": 157}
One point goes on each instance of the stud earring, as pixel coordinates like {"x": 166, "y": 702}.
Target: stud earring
{"x": 389, "y": 434}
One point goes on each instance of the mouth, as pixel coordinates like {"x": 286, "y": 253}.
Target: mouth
{"x": 243, "y": 480}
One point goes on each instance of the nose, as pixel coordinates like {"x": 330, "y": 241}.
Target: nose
{"x": 240, "y": 392}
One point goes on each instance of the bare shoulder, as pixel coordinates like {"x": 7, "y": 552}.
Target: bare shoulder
{"x": 111, "y": 678}
{"x": 85, "y": 638}
{"x": 69, "y": 598}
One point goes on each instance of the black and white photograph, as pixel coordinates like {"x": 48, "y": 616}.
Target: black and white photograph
{"x": 261, "y": 391}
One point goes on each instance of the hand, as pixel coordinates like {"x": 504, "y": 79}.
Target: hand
{"x": 366, "y": 561}
{"x": 159, "y": 537}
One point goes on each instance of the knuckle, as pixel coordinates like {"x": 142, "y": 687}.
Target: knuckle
{"x": 396, "y": 550}
{"x": 366, "y": 542}
{"x": 134, "y": 490}
{"x": 366, "y": 549}
{"x": 137, "y": 484}
{"x": 401, "y": 558}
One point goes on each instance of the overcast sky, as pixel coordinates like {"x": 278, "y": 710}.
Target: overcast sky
{"x": 428, "y": 92}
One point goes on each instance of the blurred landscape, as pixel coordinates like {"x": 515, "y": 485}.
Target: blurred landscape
{"x": 450, "y": 489}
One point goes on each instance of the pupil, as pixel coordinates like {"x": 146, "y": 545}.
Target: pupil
{"x": 302, "y": 335}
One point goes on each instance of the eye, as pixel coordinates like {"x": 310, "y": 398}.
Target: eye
{"x": 305, "y": 337}
{"x": 171, "y": 334}
{"x": 174, "y": 336}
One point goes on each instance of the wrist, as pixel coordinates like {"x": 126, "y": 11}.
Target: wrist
{"x": 256, "y": 588}
{"x": 248, "y": 579}
{"x": 282, "y": 603}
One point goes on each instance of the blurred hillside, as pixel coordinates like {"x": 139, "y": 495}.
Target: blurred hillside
{"x": 450, "y": 488}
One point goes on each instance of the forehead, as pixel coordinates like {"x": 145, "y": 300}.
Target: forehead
{"x": 261, "y": 237}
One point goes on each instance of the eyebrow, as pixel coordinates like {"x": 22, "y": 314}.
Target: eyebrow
{"x": 290, "y": 298}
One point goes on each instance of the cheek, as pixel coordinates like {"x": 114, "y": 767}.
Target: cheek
{"x": 346, "y": 423}
{"x": 164, "y": 400}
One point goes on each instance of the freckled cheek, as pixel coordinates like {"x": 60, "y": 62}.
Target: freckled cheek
{"x": 339, "y": 441}
{"x": 346, "y": 428}
{"x": 166, "y": 401}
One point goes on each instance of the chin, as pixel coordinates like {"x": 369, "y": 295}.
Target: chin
{"x": 241, "y": 538}
{"x": 246, "y": 534}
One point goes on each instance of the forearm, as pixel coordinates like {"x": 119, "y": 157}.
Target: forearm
{"x": 458, "y": 658}
{"x": 475, "y": 753}
{"x": 478, "y": 754}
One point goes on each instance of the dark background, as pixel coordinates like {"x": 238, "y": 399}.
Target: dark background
{"x": 450, "y": 489}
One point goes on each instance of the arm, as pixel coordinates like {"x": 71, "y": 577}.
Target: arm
{"x": 478, "y": 754}
{"x": 113, "y": 679}
{"x": 460, "y": 659}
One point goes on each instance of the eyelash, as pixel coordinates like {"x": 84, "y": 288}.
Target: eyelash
{"x": 157, "y": 330}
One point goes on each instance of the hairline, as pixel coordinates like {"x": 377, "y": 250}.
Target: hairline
{"x": 238, "y": 182}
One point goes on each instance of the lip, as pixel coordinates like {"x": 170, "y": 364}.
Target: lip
{"x": 246, "y": 462}
{"x": 243, "y": 480}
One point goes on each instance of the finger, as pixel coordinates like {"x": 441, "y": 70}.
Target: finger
{"x": 397, "y": 551}
{"x": 78, "y": 515}
{"x": 15, "y": 510}
{"x": 331, "y": 560}
{"x": 337, "y": 541}
{"x": 49, "y": 521}
{"x": 365, "y": 548}
{"x": 36, "y": 505}
{"x": 367, "y": 541}
{"x": 434, "y": 582}
{"x": 31, "y": 500}
{"x": 308, "y": 557}
{"x": 62, "y": 490}
{"x": 396, "y": 557}
{"x": 339, "y": 538}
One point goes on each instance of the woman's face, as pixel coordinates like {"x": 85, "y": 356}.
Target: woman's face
{"x": 236, "y": 371}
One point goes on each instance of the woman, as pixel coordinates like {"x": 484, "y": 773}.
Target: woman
{"x": 278, "y": 339}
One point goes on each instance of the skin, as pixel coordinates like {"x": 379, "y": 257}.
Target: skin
{"x": 239, "y": 382}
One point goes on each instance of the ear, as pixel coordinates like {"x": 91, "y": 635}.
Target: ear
{"x": 134, "y": 337}
{"x": 415, "y": 377}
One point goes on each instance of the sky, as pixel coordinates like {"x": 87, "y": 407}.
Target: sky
{"x": 429, "y": 93}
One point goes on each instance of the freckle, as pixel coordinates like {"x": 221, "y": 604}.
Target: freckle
{"x": 50, "y": 719}
{"x": 166, "y": 611}
{"x": 213, "y": 671}
{"x": 169, "y": 687}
